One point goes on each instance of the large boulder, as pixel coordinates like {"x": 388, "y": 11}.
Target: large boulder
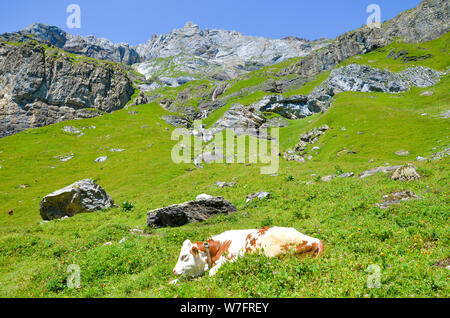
{"x": 80, "y": 197}
{"x": 193, "y": 211}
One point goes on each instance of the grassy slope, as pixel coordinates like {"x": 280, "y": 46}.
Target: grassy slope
{"x": 404, "y": 240}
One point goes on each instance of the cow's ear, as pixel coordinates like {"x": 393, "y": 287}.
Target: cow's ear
{"x": 194, "y": 250}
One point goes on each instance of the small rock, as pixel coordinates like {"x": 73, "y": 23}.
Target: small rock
{"x": 71, "y": 130}
{"x": 221, "y": 184}
{"x": 101, "y": 159}
{"x": 260, "y": 195}
{"x": 327, "y": 178}
{"x": 116, "y": 150}
{"x": 397, "y": 197}
{"x": 108, "y": 243}
{"x": 346, "y": 175}
{"x": 80, "y": 135}
{"x": 427, "y": 93}
{"x": 402, "y": 153}
{"x": 67, "y": 158}
{"x": 136, "y": 231}
{"x": 122, "y": 240}
{"x": 419, "y": 158}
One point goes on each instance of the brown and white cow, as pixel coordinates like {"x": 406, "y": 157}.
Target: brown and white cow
{"x": 195, "y": 260}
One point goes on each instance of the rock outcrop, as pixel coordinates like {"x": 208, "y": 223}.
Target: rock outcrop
{"x": 354, "y": 78}
{"x": 194, "y": 211}
{"x": 40, "y": 86}
{"x": 428, "y": 21}
{"x": 80, "y": 197}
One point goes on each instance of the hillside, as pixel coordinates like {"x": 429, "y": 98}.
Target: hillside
{"x": 366, "y": 129}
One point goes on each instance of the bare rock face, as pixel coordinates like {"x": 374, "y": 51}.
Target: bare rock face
{"x": 192, "y": 211}
{"x": 41, "y": 86}
{"x": 362, "y": 78}
{"x": 428, "y": 21}
{"x": 80, "y": 197}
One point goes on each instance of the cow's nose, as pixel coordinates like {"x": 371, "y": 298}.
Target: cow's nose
{"x": 174, "y": 271}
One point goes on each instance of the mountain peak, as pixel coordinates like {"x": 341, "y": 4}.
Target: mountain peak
{"x": 191, "y": 25}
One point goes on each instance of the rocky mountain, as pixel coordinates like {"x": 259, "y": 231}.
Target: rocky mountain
{"x": 217, "y": 53}
{"x": 427, "y": 21}
{"x": 182, "y": 55}
{"x": 41, "y": 86}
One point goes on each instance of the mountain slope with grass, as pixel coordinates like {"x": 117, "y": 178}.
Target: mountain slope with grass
{"x": 367, "y": 233}
{"x": 408, "y": 241}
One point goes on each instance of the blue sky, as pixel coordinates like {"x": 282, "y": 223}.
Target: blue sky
{"x": 134, "y": 21}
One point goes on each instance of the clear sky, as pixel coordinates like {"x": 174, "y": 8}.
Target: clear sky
{"x": 134, "y": 21}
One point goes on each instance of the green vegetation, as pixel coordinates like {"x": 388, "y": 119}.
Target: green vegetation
{"x": 404, "y": 240}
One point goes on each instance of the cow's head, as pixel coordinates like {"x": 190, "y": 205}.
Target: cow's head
{"x": 191, "y": 261}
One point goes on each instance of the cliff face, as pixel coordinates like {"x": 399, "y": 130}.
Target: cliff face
{"x": 40, "y": 86}
{"x": 428, "y": 21}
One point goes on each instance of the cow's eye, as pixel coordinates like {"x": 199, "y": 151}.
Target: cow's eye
{"x": 184, "y": 257}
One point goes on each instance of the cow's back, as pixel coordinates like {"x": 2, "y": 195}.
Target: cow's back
{"x": 276, "y": 241}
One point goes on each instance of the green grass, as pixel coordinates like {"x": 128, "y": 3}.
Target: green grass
{"x": 405, "y": 240}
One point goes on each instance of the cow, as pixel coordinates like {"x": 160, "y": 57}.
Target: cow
{"x": 196, "y": 258}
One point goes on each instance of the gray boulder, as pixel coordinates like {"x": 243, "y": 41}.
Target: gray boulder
{"x": 406, "y": 173}
{"x": 80, "y": 197}
{"x": 192, "y": 211}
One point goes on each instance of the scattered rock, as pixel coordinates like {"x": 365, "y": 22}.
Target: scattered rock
{"x": 82, "y": 196}
{"x": 443, "y": 263}
{"x": 71, "y": 130}
{"x": 177, "y": 121}
{"x": 193, "y": 211}
{"x": 402, "y": 153}
{"x": 221, "y": 184}
{"x": 108, "y": 243}
{"x": 122, "y": 240}
{"x": 291, "y": 155}
{"x": 346, "y": 175}
{"x": 116, "y": 150}
{"x": 373, "y": 171}
{"x": 419, "y": 158}
{"x": 441, "y": 154}
{"x": 406, "y": 173}
{"x": 101, "y": 159}
{"x": 260, "y": 195}
{"x": 397, "y": 197}
{"x": 327, "y": 178}
{"x": 427, "y": 93}
{"x": 66, "y": 158}
{"x": 137, "y": 231}
{"x": 24, "y": 186}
